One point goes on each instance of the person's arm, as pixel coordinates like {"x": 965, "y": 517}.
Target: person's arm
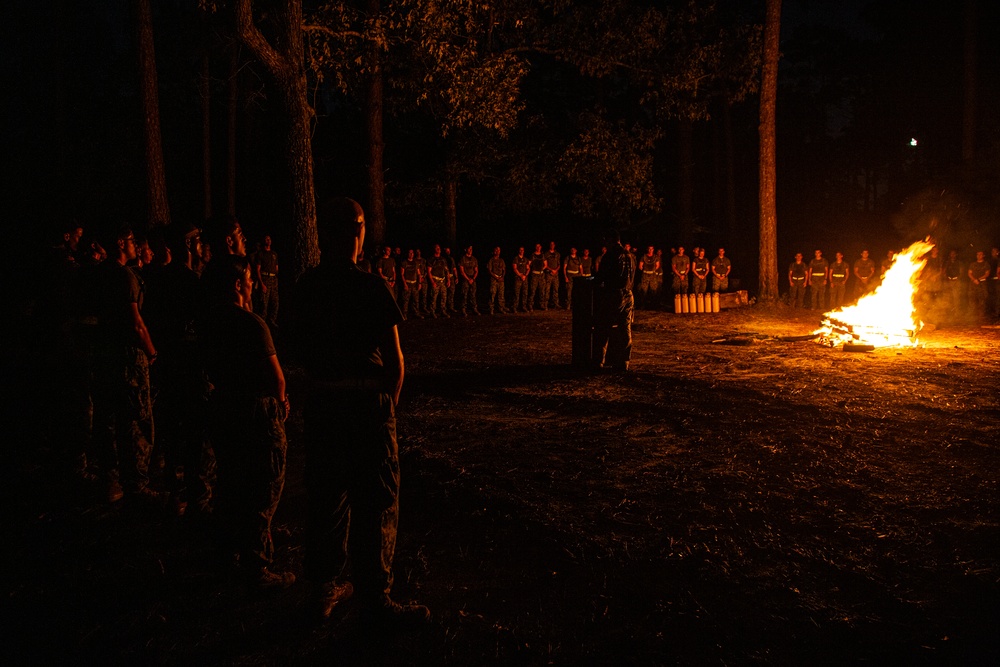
{"x": 260, "y": 278}
{"x": 139, "y": 326}
{"x": 729, "y": 268}
{"x": 392, "y": 362}
{"x": 277, "y": 378}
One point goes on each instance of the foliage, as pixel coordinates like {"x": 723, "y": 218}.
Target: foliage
{"x": 611, "y": 165}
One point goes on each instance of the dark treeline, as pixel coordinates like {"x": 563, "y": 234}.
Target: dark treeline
{"x": 541, "y": 120}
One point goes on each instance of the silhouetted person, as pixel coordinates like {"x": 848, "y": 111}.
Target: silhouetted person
{"x": 248, "y": 408}
{"x": 346, "y": 333}
{"x": 614, "y": 306}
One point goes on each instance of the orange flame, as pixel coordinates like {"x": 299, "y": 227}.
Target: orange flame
{"x": 886, "y": 317}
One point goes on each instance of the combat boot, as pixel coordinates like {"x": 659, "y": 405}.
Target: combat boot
{"x": 329, "y": 596}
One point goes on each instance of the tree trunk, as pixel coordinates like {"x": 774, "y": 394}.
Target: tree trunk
{"x": 451, "y": 209}
{"x": 288, "y": 69}
{"x": 232, "y": 108}
{"x": 969, "y": 84}
{"x": 205, "y": 88}
{"x": 768, "y": 180}
{"x": 375, "y": 212}
{"x": 685, "y": 194}
{"x": 158, "y": 211}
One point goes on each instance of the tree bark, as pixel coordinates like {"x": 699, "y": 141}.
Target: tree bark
{"x": 287, "y": 67}
{"x": 158, "y": 209}
{"x": 375, "y": 213}
{"x": 232, "y": 118}
{"x": 205, "y": 88}
{"x": 768, "y": 268}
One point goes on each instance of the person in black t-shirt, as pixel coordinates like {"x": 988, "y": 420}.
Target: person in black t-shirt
{"x": 248, "y": 408}
{"x": 347, "y": 338}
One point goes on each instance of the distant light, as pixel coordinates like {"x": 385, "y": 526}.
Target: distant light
{"x": 913, "y": 142}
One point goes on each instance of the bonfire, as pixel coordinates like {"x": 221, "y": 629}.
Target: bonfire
{"x": 887, "y": 317}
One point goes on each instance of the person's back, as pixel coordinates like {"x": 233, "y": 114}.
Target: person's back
{"x": 346, "y": 336}
{"x": 341, "y": 313}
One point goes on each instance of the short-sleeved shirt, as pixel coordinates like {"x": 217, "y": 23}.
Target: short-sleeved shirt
{"x": 818, "y": 267}
{"x": 572, "y": 265}
{"x": 439, "y": 268}
{"x": 980, "y": 270}
{"x": 118, "y": 288}
{"x": 864, "y": 268}
{"x": 648, "y": 263}
{"x": 236, "y": 345}
{"x": 839, "y": 272}
{"x": 408, "y": 269}
{"x": 798, "y": 270}
{"x": 680, "y": 263}
{"x": 537, "y": 262}
{"x": 268, "y": 261}
{"x": 521, "y": 264}
{"x": 700, "y": 267}
{"x": 554, "y": 260}
{"x": 720, "y": 265}
{"x": 496, "y": 267}
{"x": 586, "y": 263}
{"x": 470, "y": 264}
{"x": 343, "y": 315}
{"x": 387, "y": 267}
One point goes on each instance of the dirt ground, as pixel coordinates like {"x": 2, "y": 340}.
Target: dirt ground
{"x": 769, "y": 502}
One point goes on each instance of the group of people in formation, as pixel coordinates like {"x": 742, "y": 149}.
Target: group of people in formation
{"x": 949, "y": 288}
{"x": 164, "y": 332}
{"x": 442, "y": 285}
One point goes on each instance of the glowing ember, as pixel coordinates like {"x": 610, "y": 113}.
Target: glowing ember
{"x": 886, "y": 317}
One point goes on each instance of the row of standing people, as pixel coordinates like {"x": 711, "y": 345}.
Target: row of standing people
{"x": 182, "y": 329}
{"x": 951, "y": 286}
{"x": 440, "y": 284}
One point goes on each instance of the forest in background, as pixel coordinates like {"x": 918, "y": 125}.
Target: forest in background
{"x": 514, "y": 122}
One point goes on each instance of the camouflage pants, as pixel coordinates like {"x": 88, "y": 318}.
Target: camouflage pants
{"x": 720, "y": 284}
{"x": 411, "y": 299}
{"x": 497, "y": 300}
{"x": 520, "y": 295}
{"x": 680, "y": 285}
{"x": 248, "y": 436}
{"x": 538, "y": 285}
{"x": 439, "y": 293}
{"x": 837, "y": 294}
{"x": 569, "y": 292}
{"x": 451, "y": 295}
{"x": 352, "y": 481}
{"x": 268, "y": 308}
{"x": 552, "y": 281}
{"x": 797, "y": 293}
{"x": 123, "y": 416}
{"x": 467, "y": 296}
{"x": 816, "y": 296}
